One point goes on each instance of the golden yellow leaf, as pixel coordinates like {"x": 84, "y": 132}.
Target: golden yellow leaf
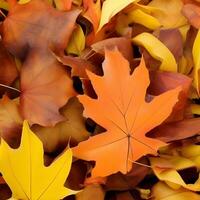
{"x": 166, "y": 168}
{"x": 23, "y": 1}
{"x": 110, "y": 8}
{"x": 138, "y": 16}
{"x": 168, "y": 12}
{"x": 4, "y": 4}
{"x": 196, "y": 58}
{"x": 77, "y": 42}
{"x": 161, "y": 191}
{"x": 195, "y": 108}
{"x": 24, "y": 171}
{"x": 192, "y": 152}
{"x": 157, "y": 50}
{"x": 26, "y": 1}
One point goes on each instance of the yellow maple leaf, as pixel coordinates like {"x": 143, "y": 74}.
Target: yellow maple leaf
{"x": 24, "y": 171}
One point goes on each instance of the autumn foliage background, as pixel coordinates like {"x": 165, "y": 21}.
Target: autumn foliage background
{"x": 99, "y": 99}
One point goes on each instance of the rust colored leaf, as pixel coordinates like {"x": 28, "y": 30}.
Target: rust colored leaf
{"x": 77, "y": 64}
{"x": 192, "y": 13}
{"x": 72, "y": 128}
{"x": 123, "y": 44}
{"x": 177, "y": 130}
{"x": 164, "y": 81}
{"x": 8, "y": 70}
{"x": 45, "y": 87}
{"x": 169, "y": 37}
{"x": 36, "y": 24}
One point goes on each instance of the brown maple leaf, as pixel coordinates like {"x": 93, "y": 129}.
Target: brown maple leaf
{"x": 8, "y": 70}
{"x": 45, "y": 87}
{"x": 36, "y": 24}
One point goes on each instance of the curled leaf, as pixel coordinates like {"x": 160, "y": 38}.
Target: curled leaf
{"x": 157, "y": 50}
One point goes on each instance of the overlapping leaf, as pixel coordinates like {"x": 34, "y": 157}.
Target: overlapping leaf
{"x": 23, "y": 168}
{"x": 127, "y": 117}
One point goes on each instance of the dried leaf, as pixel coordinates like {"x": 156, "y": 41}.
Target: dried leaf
{"x": 45, "y": 87}
{"x": 157, "y": 50}
{"x": 8, "y": 70}
{"x": 32, "y": 30}
{"x": 161, "y": 191}
{"x": 73, "y": 128}
{"x": 110, "y": 8}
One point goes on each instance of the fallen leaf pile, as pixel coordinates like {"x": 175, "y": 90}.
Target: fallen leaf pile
{"x": 99, "y": 99}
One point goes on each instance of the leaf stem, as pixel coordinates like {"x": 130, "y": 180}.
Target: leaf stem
{"x": 2, "y": 13}
{"x": 141, "y": 164}
{"x": 9, "y": 87}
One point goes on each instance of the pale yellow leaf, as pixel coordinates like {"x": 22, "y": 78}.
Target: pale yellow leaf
{"x": 110, "y": 8}
{"x": 157, "y": 50}
{"x": 24, "y": 171}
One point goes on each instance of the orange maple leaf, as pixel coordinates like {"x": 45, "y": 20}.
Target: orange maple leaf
{"x": 122, "y": 110}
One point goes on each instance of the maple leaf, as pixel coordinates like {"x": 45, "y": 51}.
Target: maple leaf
{"x": 122, "y": 110}
{"x": 36, "y": 24}
{"x": 23, "y": 168}
{"x": 45, "y": 87}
